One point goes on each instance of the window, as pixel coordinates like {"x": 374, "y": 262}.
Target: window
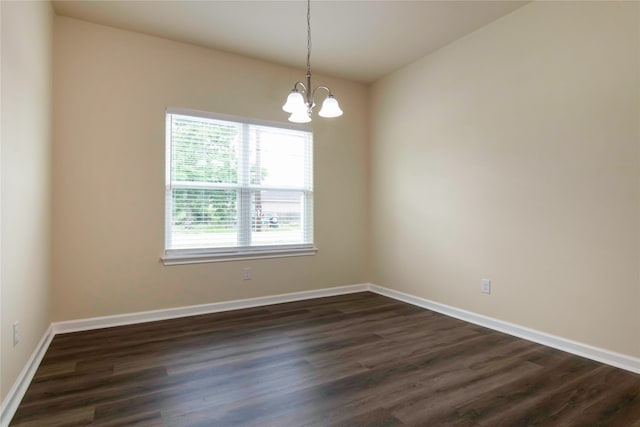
{"x": 236, "y": 189}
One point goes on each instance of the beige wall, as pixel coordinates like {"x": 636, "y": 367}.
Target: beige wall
{"x": 111, "y": 88}
{"x": 512, "y": 154}
{"x": 25, "y": 180}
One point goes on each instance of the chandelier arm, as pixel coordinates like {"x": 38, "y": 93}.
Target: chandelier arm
{"x": 313, "y": 94}
{"x": 299, "y": 83}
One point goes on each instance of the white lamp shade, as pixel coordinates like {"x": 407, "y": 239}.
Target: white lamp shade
{"x": 300, "y": 116}
{"x": 330, "y": 108}
{"x": 295, "y": 102}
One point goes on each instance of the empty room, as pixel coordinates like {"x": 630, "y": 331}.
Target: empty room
{"x": 320, "y": 213}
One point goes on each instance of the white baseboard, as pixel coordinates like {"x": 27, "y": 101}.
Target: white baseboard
{"x": 10, "y": 404}
{"x": 623, "y": 361}
{"x": 612, "y": 358}
{"x": 193, "y": 310}
{"x": 19, "y": 388}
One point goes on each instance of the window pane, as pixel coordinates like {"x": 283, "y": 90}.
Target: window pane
{"x": 204, "y": 218}
{"x": 277, "y": 217}
{"x": 279, "y": 157}
{"x": 204, "y": 150}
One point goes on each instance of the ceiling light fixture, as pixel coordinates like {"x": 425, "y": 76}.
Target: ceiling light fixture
{"x": 300, "y": 102}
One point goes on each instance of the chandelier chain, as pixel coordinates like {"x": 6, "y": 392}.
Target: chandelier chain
{"x": 309, "y": 37}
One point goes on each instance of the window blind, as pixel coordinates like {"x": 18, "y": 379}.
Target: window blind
{"x": 235, "y": 186}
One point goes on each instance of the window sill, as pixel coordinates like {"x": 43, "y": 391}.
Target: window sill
{"x": 198, "y": 258}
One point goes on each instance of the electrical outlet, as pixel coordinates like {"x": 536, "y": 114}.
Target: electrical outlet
{"x": 16, "y": 333}
{"x": 246, "y": 273}
{"x": 486, "y": 286}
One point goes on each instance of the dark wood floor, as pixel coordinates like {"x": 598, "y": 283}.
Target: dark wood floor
{"x": 353, "y": 360}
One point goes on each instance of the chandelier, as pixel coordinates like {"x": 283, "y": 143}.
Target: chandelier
{"x": 300, "y": 102}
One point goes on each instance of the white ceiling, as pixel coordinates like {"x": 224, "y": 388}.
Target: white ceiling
{"x": 358, "y": 40}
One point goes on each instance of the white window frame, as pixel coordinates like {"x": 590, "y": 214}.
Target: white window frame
{"x": 202, "y": 255}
